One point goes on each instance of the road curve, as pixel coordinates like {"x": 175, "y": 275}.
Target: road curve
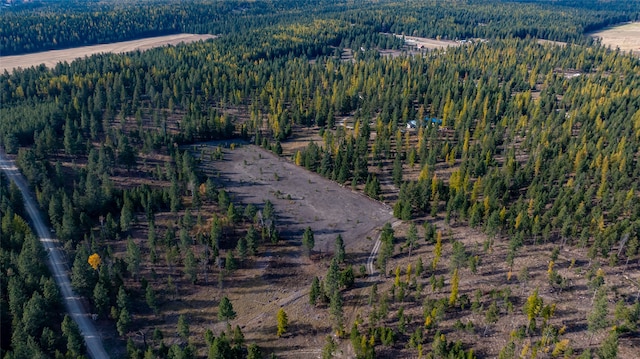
{"x": 56, "y": 264}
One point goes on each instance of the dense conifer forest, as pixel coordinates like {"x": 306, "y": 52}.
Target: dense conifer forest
{"x": 529, "y": 143}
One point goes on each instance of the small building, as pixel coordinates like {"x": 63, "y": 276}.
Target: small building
{"x": 426, "y": 122}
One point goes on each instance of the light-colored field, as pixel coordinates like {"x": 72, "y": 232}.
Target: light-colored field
{"x": 626, "y": 37}
{"x": 51, "y": 58}
{"x": 427, "y": 43}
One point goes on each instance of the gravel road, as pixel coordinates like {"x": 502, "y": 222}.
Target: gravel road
{"x": 56, "y": 264}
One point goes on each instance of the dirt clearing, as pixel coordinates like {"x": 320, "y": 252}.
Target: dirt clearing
{"x": 427, "y": 43}
{"x": 626, "y": 37}
{"x": 301, "y": 198}
{"x": 51, "y": 58}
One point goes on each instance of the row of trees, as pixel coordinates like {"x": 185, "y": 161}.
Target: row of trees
{"x": 31, "y": 311}
{"x": 530, "y": 151}
{"x": 47, "y": 25}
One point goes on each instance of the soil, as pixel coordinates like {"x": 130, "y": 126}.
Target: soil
{"x": 626, "y": 37}
{"x": 53, "y": 57}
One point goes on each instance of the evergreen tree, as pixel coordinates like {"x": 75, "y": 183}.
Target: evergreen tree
{"x": 124, "y": 321}
{"x": 75, "y": 342}
{"x": 314, "y": 293}
{"x": 412, "y": 237}
{"x": 339, "y": 249}
{"x": 283, "y": 322}
{"x": 597, "y": 318}
{"x": 183, "y": 327}
{"x": 308, "y": 240}
{"x": 225, "y": 310}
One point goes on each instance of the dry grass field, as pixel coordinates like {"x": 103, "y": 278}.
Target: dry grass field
{"x": 51, "y": 58}
{"x": 626, "y": 37}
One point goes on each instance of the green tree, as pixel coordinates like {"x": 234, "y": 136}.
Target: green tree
{"x": 283, "y": 322}
{"x": 150, "y": 297}
{"x": 339, "y": 251}
{"x": 252, "y": 241}
{"x": 437, "y": 250}
{"x": 597, "y": 318}
{"x": 335, "y": 309}
{"x": 75, "y": 342}
{"x": 532, "y": 308}
{"x": 314, "y": 293}
{"x": 332, "y": 279}
{"x": 230, "y": 262}
{"x": 132, "y": 258}
{"x": 101, "y": 298}
{"x": 491, "y": 316}
{"x": 253, "y": 351}
{"x": 329, "y": 348}
{"x": 225, "y": 310}
{"x": 124, "y": 321}
{"x": 609, "y": 347}
{"x": 191, "y": 266}
{"x": 82, "y": 275}
{"x": 397, "y": 171}
{"x": 183, "y": 327}
{"x": 308, "y": 240}
{"x": 412, "y": 237}
{"x": 455, "y": 280}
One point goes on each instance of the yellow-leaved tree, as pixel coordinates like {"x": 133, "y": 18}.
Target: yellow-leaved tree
{"x": 94, "y": 261}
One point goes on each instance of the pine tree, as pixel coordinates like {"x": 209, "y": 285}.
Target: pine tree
{"x": 329, "y": 348}
{"x": 412, "y": 237}
{"x": 437, "y": 250}
{"x": 254, "y": 352}
{"x": 191, "y": 266}
{"x": 150, "y": 297}
{"x": 455, "y": 280}
{"x": 532, "y": 308}
{"x": 75, "y": 342}
{"x": 339, "y": 249}
{"x": 283, "y": 322}
{"x": 597, "y": 318}
{"x": 332, "y": 279}
{"x": 101, "y": 298}
{"x": 225, "y": 310}
{"x": 491, "y": 316}
{"x": 609, "y": 347}
{"x": 124, "y": 321}
{"x": 335, "y": 309}
{"x": 308, "y": 240}
{"x": 314, "y": 293}
{"x": 183, "y": 327}
{"x": 132, "y": 258}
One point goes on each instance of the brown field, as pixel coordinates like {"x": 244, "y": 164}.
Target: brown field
{"x": 427, "y": 43}
{"x": 301, "y": 198}
{"x": 51, "y": 58}
{"x": 626, "y": 37}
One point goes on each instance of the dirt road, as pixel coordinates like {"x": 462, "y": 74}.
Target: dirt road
{"x": 56, "y": 264}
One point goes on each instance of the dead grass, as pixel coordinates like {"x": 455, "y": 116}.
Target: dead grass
{"x": 626, "y": 37}
{"x": 53, "y": 57}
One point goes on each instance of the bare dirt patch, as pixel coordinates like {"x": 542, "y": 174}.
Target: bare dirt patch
{"x": 626, "y": 37}
{"x": 51, "y": 58}
{"x": 301, "y": 198}
{"x": 427, "y": 43}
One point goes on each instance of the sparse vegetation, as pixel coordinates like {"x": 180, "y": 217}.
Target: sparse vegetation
{"x": 164, "y": 175}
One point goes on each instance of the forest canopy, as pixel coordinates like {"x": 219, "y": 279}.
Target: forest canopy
{"x": 527, "y": 141}
{"x": 42, "y": 26}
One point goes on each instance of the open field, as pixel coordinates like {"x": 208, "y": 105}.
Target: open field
{"x": 301, "y": 198}
{"x": 626, "y": 37}
{"x": 427, "y": 43}
{"x": 51, "y": 58}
